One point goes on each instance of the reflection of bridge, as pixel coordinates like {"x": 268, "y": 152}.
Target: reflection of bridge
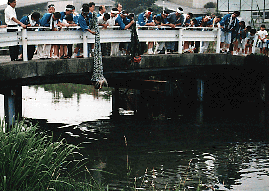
{"x": 209, "y": 74}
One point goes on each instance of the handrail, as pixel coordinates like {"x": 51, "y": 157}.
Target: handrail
{"x": 180, "y": 34}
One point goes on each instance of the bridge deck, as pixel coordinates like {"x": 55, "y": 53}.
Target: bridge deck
{"x": 80, "y": 70}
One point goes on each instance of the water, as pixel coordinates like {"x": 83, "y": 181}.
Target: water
{"x": 222, "y": 147}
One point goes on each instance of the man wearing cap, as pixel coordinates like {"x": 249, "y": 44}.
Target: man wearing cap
{"x": 173, "y": 18}
{"x": 146, "y": 19}
{"x": 229, "y": 24}
{"x": 68, "y": 11}
{"x": 51, "y": 8}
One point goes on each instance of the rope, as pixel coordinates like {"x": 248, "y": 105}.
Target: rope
{"x": 97, "y": 76}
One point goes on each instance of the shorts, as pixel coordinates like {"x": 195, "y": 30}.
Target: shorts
{"x": 241, "y": 43}
{"x": 262, "y": 45}
{"x": 226, "y": 37}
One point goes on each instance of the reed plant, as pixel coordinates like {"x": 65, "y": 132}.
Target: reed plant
{"x": 31, "y": 160}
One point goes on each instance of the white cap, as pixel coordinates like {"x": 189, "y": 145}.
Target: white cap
{"x": 179, "y": 11}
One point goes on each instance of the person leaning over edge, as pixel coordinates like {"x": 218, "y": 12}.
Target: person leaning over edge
{"x": 124, "y": 23}
{"x": 84, "y": 22}
{"x": 12, "y": 21}
{"x": 31, "y": 21}
{"x": 50, "y": 20}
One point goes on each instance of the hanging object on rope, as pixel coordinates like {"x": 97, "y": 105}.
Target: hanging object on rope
{"x": 98, "y": 78}
{"x": 135, "y": 45}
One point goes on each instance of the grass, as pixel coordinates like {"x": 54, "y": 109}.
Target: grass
{"x": 30, "y": 160}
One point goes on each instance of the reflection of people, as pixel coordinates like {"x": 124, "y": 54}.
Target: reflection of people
{"x": 12, "y": 21}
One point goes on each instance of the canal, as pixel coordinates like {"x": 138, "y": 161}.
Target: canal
{"x": 218, "y": 145}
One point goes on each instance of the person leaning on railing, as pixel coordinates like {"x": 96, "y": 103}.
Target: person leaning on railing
{"x": 12, "y": 21}
{"x": 84, "y": 22}
{"x": 66, "y": 22}
{"x": 31, "y": 21}
{"x": 50, "y": 20}
{"x": 173, "y": 18}
{"x": 103, "y": 21}
{"x": 124, "y": 24}
{"x": 161, "y": 20}
{"x": 146, "y": 19}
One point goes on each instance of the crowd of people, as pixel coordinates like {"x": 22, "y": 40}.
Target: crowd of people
{"x": 236, "y": 38}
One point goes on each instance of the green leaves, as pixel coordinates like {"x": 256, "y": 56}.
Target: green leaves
{"x": 29, "y": 160}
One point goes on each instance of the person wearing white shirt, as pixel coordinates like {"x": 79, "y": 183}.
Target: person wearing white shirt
{"x": 112, "y": 22}
{"x": 12, "y": 21}
{"x": 262, "y": 36}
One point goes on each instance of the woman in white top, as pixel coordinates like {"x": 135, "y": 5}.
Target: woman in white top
{"x": 12, "y": 21}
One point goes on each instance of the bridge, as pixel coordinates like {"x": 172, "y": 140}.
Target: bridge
{"x": 248, "y": 74}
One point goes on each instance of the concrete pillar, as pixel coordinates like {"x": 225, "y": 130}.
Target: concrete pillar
{"x": 13, "y": 105}
{"x": 115, "y": 101}
{"x": 200, "y": 89}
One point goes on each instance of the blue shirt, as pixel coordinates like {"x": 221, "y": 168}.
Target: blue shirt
{"x": 63, "y": 15}
{"x": 122, "y": 22}
{"x": 163, "y": 20}
{"x": 173, "y": 19}
{"x": 229, "y": 28}
{"x": 199, "y": 21}
{"x": 142, "y": 19}
{"x": 83, "y": 22}
{"x": 45, "y": 20}
{"x": 25, "y": 20}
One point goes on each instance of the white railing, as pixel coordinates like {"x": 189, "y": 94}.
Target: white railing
{"x": 112, "y": 34}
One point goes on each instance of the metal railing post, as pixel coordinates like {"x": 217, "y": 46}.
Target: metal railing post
{"x": 24, "y": 45}
{"x": 180, "y": 40}
{"x": 218, "y": 40}
{"x": 85, "y": 44}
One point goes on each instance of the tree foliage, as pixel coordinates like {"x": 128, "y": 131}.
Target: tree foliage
{"x": 210, "y": 5}
{"x": 137, "y": 6}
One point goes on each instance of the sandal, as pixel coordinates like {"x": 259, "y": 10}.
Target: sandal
{"x": 62, "y": 57}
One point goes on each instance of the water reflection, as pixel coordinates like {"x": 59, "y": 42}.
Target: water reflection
{"x": 221, "y": 147}
{"x": 66, "y": 103}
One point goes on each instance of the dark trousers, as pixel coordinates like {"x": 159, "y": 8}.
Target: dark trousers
{"x": 13, "y": 50}
{"x": 69, "y": 50}
{"x": 197, "y": 47}
{"x": 30, "y": 51}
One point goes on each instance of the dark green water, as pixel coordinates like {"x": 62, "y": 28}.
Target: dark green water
{"x": 214, "y": 146}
